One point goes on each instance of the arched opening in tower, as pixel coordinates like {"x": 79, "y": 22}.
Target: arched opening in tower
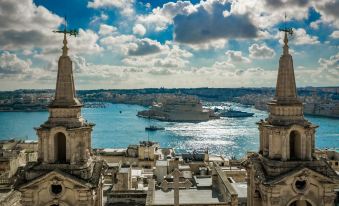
{"x": 300, "y": 203}
{"x": 295, "y": 145}
{"x": 60, "y": 147}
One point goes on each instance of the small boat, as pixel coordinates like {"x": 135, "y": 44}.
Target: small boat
{"x": 235, "y": 113}
{"x": 154, "y": 128}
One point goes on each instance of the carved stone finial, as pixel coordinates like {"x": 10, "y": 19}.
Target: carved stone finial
{"x": 65, "y": 48}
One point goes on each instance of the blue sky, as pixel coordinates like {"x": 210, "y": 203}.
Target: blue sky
{"x": 138, "y": 44}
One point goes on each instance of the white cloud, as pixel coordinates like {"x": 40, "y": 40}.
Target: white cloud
{"x": 328, "y": 10}
{"x": 126, "y": 7}
{"x": 200, "y": 24}
{"x": 332, "y": 62}
{"x": 107, "y": 29}
{"x": 32, "y": 17}
{"x": 31, "y": 32}
{"x": 223, "y": 65}
{"x": 144, "y": 47}
{"x": 85, "y": 43}
{"x": 335, "y": 35}
{"x": 98, "y": 19}
{"x": 170, "y": 57}
{"x": 299, "y": 37}
{"x": 162, "y": 71}
{"x": 11, "y": 64}
{"x": 208, "y": 22}
{"x": 32, "y": 28}
{"x": 267, "y": 13}
{"x": 148, "y": 5}
{"x": 118, "y": 40}
{"x": 160, "y": 18}
{"x": 260, "y": 51}
{"x": 139, "y": 29}
{"x": 236, "y": 57}
{"x": 315, "y": 24}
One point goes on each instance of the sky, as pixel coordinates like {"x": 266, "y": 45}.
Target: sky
{"x": 125, "y": 44}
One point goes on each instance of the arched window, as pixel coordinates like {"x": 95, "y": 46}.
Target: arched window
{"x": 60, "y": 147}
{"x": 300, "y": 203}
{"x": 295, "y": 145}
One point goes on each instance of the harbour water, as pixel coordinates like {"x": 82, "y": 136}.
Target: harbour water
{"x": 118, "y": 126}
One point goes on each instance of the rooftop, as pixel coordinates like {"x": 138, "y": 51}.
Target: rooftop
{"x": 189, "y": 196}
{"x": 203, "y": 181}
{"x": 241, "y": 189}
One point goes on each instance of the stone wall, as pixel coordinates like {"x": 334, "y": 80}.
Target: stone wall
{"x": 224, "y": 187}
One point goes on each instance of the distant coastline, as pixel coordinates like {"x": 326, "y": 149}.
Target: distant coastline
{"x": 318, "y": 101}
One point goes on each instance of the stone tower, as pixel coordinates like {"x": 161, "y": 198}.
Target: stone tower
{"x": 66, "y": 173}
{"x": 285, "y": 171}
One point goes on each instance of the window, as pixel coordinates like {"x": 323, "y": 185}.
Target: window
{"x": 295, "y": 145}
{"x": 60, "y": 147}
{"x": 56, "y": 189}
{"x": 300, "y": 184}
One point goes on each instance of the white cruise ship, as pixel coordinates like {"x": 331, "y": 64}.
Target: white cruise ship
{"x": 178, "y": 109}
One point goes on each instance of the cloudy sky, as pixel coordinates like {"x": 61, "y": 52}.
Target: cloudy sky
{"x": 161, "y": 43}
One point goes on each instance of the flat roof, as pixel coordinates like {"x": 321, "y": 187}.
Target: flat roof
{"x": 212, "y": 157}
{"x": 203, "y": 181}
{"x": 161, "y": 163}
{"x": 124, "y": 170}
{"x": 113, "y": 164}
{"x": 113, "y": 150}
{"x": 184, "y": 167}
{"x": 136, "y": 172}
{"x": 241, "y": 189}
{"x": 189, "y": 196}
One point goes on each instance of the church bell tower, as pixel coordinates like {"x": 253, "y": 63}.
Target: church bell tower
{"x": 286, "y": 134}
{"x": 285, "y": 171}
{"x": 66, "y": 172}
{"x": 66, "y": 137}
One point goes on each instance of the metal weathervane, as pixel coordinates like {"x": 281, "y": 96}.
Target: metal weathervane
{"x": 286, "y": 30}
{"x": 289, "y": 31}
{"x": 71, "y": 32}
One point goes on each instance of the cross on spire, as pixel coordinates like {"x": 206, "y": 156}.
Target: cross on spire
{"x": 175, "y": 185}
{"x": 71, "y": 32}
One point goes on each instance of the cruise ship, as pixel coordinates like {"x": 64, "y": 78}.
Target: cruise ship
{"x": 178, "y": 108}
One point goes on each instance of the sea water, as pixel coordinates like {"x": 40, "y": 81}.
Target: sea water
{"x": 117, "y": 126}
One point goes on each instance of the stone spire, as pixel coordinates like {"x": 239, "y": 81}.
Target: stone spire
{"x": 286, "y": 108}
{"x": 286, "y": 91}
{"x": 65, "y": 90}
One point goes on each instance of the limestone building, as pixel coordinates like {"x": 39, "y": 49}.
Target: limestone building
{"x": 66, "y": 172}
{"x": 285, "y": 171}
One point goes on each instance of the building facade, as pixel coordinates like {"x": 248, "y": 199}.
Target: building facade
{"x": 66, "y": 172}
{"x": 285, "y": 171}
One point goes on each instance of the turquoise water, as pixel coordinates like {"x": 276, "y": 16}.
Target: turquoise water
{"x": 228, "y": 136}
